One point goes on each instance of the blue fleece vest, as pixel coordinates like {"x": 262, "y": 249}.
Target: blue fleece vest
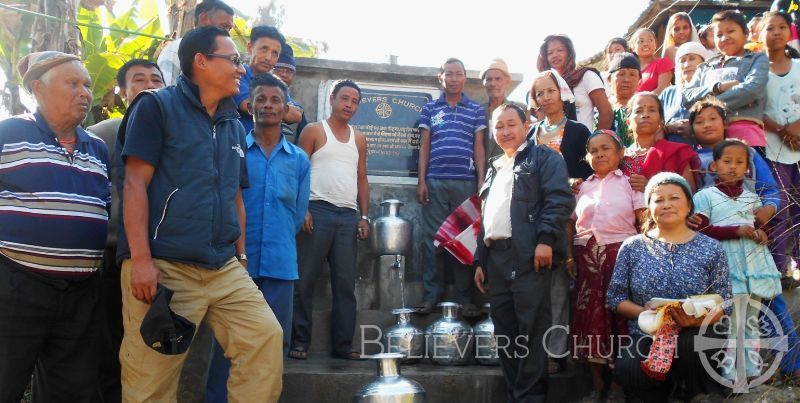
{"x": 192, "y": 214}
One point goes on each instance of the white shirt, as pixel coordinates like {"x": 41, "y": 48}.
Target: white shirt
{"x": 783, "y": 106}
{"x": 583, "y": 104}
{"x": 497, "y": 212}
{"x": 169, "y": 63}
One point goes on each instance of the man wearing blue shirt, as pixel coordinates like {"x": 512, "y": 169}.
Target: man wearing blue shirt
{"x": 275, "y": 204}
{"x": 451, "y": 169}
{"x": 264, "y": 48}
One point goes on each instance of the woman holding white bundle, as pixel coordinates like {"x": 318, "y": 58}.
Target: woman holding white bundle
{"x": 668, "y": 260}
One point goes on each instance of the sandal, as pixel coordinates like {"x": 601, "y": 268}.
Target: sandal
{"x": 553, "y": 366}
{"x": 789, "y": 283}
{"x": 427, "y": 308}
{"x": 352, "y": 356}
{"x": 298, "y": 354}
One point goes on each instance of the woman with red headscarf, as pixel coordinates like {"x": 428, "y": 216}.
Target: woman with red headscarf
{"x": 558, "y": 53}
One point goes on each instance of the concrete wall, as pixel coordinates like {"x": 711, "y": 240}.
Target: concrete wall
{"x": 310, "y": 72}
{"x": 305, "y": 89}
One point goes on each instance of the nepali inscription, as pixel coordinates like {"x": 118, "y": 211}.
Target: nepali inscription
{"x": 389, "y": 118}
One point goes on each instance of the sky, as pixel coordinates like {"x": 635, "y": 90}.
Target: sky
{"x": 426, "y": 32}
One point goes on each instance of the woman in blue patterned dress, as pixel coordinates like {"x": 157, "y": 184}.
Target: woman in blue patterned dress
{"x": 668, "y": 260}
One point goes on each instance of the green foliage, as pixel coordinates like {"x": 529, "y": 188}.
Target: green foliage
{"x": 103, "y": 68}
{"x": 305, "y": 47}
{"x": 104, "y": 51}
{"x": 241, "y": 33}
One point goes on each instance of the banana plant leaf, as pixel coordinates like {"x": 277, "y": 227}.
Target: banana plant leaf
{"x": 103, "y": 70}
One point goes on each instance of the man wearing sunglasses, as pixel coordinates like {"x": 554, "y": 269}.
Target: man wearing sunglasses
{"x": 183, "y": 226}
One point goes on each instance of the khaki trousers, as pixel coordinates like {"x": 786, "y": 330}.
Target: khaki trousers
{"x": 231, "y": 304}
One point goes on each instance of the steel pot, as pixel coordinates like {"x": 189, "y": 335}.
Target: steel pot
{"x": 485, "y": 342}
{"x": 390, "y": 234}
{"x": 405, "y": 338}
{"x": 450, "y": 340}
{"x": 390, "y": 386}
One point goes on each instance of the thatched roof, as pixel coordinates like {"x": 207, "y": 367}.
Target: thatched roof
{"x": 655, "y": 17}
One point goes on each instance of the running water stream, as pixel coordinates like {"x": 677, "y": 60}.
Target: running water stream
{"x": 401, "y": 269}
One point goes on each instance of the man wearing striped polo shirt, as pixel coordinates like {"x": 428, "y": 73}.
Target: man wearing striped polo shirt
{"x": 54, "y": 201}
{"x": 451, "y": 169}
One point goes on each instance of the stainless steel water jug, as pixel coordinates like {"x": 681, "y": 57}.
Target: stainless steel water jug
{"x": 390, "y": 386}
{"x": 450, "y": 340}
{"x": 405, "y": 338}
{"x": 485, "y": 343}
{"x": 390, "y": 234}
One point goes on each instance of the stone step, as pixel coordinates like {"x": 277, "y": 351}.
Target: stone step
{"x": 369, "y": 325}
{"x": 322, "y": 378}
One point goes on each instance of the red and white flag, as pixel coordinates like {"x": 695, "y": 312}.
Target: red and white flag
{"x": 459, "y": 232}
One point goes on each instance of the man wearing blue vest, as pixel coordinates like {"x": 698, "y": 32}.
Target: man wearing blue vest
{"x": 183, "y": 226}
{"x": 451, "y": 169}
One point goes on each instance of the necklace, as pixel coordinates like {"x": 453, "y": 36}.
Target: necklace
{"x": 635, "y": 150}
{"x": 551, "y": 128}
{"x": 68, "y": 145}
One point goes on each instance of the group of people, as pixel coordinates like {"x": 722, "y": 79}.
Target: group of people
{"x": 667, "y": 191}
{"x": 175, "y": 206}
{"x": 215, "y": 193}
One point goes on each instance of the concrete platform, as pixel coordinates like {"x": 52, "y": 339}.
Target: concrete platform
{"x": 322, "y": 378}
{"x": 325, "y": 379}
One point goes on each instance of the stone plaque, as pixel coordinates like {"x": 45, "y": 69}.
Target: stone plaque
{"x": 389, "y": 118}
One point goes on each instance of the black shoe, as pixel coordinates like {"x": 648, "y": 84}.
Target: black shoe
{"x": 471, "y": 311}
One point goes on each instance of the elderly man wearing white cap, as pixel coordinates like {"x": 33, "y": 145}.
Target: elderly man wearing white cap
{"x": 54, "y": 201}
{"x": 496, "y": 80}
{"x": 687, "y": 58}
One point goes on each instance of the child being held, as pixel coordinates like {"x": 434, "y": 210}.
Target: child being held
{"x": 727, "y": 211}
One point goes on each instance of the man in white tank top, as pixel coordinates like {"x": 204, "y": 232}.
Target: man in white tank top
{"x": 337, "y": 216}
